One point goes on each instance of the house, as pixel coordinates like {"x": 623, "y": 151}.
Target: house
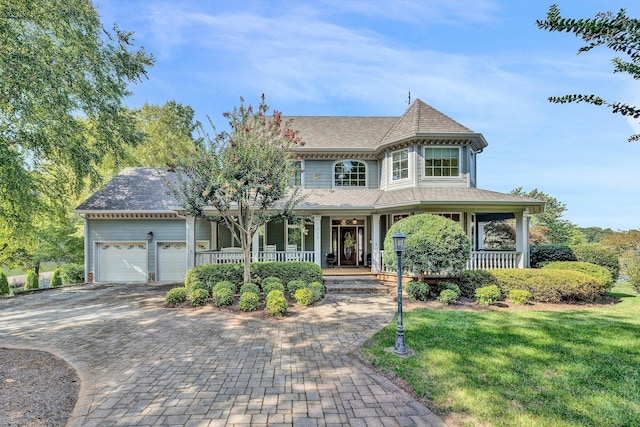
{"x": 361, "y": 174}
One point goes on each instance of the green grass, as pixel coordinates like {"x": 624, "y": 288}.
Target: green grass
{"x": 44, "y": 267}
{"x": 522, "y": 368}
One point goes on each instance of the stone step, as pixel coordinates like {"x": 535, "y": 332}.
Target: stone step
{"x": 354, "y": 285}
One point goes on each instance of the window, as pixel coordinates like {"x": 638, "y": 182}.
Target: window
{"x": 441, "y": 161}
{"x": 296, "y": 177}
{"x": 350, "y": 173}
{"x": 400, "y": 161}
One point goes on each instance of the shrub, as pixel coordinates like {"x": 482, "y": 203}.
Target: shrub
{"x": 4, "y": 284}
{"x": 418, "y": 290}
{"x": 210, "y": 274}
{"x": 269, "y": 280}
{"x": 294, "y": 285}
{"x": 271, "y": 286}
{"x": 56, "y": 278}
{"x": 519, "y": 296}
{"x": 633, "y": 271}
{"x": 198, "y": 285}
{"x": 548, "y": 285}
{"x": 547, "y": 253}
{"x": 433, "y": 244}
{"x": 487, "y": 295}
{"x": 176, "y": 296}
{"x": 225, "y": 284}
{"x": 32, "y": 281}
{"x": 317, "y": 289}
{"x": 596, "y": 254}
{"x": 303, "y": 296}
{"x": 276, "y": 303}
{"x": 248, "y": 301}
{"x": 442, "y": 286}
{"x": 72, "y": 273}
{"x": 599, "y": 272}
{"x": 287, "y": 271}
{"x": 469, "y": 280}
{"x": 199, "y": 297}
{"x": 249, "y": 287}
{"x": 448, "y": 296}
{"x": 223, "y": 296}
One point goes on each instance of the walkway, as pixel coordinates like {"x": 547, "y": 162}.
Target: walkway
{"x": 144, "y": 365}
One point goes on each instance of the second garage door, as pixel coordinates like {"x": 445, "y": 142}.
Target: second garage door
{"x": 172, "y": 261}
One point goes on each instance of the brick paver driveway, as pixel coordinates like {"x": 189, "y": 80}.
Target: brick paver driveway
{"x": 143, "y": 364}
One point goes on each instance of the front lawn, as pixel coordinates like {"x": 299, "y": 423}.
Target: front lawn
{"x": 578, "y": 367}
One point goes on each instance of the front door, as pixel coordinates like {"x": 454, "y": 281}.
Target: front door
{"x": 348, "y": 246}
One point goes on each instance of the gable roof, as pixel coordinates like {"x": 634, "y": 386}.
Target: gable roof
{"x": 338, "y": 134}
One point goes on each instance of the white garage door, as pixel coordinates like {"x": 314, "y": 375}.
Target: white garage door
{"x": 172, "y": 261}
{"x": 122, "y": 262}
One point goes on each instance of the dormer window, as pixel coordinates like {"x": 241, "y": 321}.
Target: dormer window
{"x": 350, "y": 173}
{"x": 400, "y": 162}
{"x": 441, "y": 161}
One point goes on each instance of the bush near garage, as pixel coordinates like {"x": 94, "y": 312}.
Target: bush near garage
{"x": 72, "y": 273}
{"x": 248, "y": 301}
{"x": 601, "y": 273}
{"x": 198, "y": 297}
{"x": 275, "y": 303}
{"x": 176, "y": 296}
{"x": 4, "y": 284}
{"x": 56, "y": 278}
{"x": 223, "y": 296}
{"x": 32, "y": 281}
{"x": 197, "y": 286}
{"x": 250, "y": 287}
{"x": 546, "y": 285}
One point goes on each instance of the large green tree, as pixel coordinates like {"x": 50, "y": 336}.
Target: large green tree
{"x": 63, "y": 78}
{"x": 241, "y": 178}
{"x": 614, "y": 30}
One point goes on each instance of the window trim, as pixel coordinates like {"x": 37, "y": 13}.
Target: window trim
{"x": 424, "y": 162}
{"x": 333, "y": 174}
{"x": 292, "y": 180}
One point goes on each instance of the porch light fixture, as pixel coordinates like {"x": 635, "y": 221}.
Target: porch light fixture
{"x": 398, "y": 245}
{"x": 150, "y": 236}
{"x": 354, "y": 221}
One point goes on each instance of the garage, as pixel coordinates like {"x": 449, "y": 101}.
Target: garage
{"x": 122, "y": 261}
{"x": 172, "y": 261}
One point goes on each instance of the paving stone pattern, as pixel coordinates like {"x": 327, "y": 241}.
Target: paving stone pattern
{"x": 141, "y": 364}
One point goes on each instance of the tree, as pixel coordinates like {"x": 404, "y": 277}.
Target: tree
{"x": 560, "y": 231}
{"x": 243, "y": 175}
{"x": 619, "y": 33}
{"x": 62, "y": 81}
{"x": 434, "y": 244}
{"x": 168, "y": 135}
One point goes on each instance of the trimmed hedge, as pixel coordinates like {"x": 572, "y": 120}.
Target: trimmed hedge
{"x": 294, "y": 285}
{"x": 249, "y": 287}
{"x": 317, "y": 289}
{"x": 72, "y": 273}
{"x": 548, "y": 285}
{"x": 303, "y": 296}
{"x": 601, "y": 273}
{"x": 519, "y": 296}
{"x": 56, "y": 278}
{"x": 32, "y": 281}
{"x": 418, "y": 290}
{"x": 470, "y": 280}
{"x": 547, "y": 253}
{"x": 4, "y": 284}
{"x": 596, "y": 254}
{"x": 275, "y": 303}
{"x": 211, "y": 274}
{"x": 199, "y": 297}
{"x": 248, "y": 301}
{"x": 176, "y": 296}
{"x": 448, "y": 296}
{"x": 272, "y": 286}
{"x": 488, "y": 295}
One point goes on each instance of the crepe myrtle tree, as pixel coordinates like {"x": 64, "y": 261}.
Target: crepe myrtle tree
{"x": 434, "y": 244}
{"x": 243, "y": 174}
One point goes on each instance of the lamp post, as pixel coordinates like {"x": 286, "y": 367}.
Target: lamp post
{"x": 398, "y": 245}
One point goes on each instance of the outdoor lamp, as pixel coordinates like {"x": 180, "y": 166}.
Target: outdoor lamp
{"x": 150, "y": 236}
{"x": 398, "y": 245}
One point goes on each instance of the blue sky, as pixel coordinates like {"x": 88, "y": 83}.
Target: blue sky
{"x": 482, "y": 62}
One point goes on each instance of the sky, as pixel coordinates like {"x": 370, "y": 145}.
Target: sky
{"x": 483, "y": 63}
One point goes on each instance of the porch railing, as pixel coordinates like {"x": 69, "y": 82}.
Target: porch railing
{"x": 483, "y": 260}
{"x": 216, "y": 257}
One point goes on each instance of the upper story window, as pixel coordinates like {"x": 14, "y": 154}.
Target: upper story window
{"x": 296, "y": 177}
{"x": 441, "y": 161}
{"x": 350, "y": 173}
{"x": 400, "y": 162}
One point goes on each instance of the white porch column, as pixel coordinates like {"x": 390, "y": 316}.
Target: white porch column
{"x": 317, "y": 234}
{"x": 255, "y": 246}
{"x": 522, "y": 238}
{"x": 191, "y": 241}
{"x": 480, "y": 235}
{"x": 376, "y": 262}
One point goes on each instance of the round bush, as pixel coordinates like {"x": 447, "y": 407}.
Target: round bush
{"x": 197, "y": 285}
{"x": 225, "y": 284}
{"x": 271, "y": 279}
{"x": 294, "y": 285}
{"x": 176, "y": 296}
{"x": 272, "y": 286}
{"x": 317, "y": 289}
{"x": 4, "y": 284}
{"x": 276, "y": 303}
{"x": 596, "y": 254}
{"x": 72, "y": 273}
{"x": 56, "y": 278}
{"x": 449, "y": 286}
{"x": 303, "y": 296}
{"x": 600, "y": 273}
{"x": 519, "y": 296}
{"x": 418, "y": 290}
{"x": 199, "y": 297}
{"x": 250, "y": 287}
{"x": 223, "y": 296}
{"x": 487, "y": 295}
{"x": 448, "y": 296}
{"x": 32, "y": 281}
{"x": 248, "y": 301}
{"x": 470, "y": 280}
{"x": 434, "y": 244}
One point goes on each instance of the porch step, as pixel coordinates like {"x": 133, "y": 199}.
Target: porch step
{"x": 355, "y": 285}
